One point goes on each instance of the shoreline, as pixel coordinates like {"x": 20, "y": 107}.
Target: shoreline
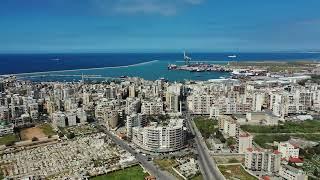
{"x": 83, "y": 69}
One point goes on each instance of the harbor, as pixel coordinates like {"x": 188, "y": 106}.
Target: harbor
{"x": 199, "y": 66}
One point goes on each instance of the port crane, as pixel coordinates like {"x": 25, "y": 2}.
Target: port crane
{"x": 186, "y": 58}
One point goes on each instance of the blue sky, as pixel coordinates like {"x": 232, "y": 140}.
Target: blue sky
{"x": 159, "y": 25}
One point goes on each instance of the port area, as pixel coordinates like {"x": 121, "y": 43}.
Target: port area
{"x": 246, "y": 69}
{"x": 200, "y": 67}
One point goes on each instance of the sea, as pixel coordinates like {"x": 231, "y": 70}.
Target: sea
{"x": 103, "y": 66}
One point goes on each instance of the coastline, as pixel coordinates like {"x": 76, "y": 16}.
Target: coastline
{"x": 82, "y": 69}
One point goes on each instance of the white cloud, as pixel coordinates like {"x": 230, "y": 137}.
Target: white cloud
{"x": 161, "y": 7}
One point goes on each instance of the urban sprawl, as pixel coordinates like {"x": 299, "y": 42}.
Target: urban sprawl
{"x": 253, "y": 126}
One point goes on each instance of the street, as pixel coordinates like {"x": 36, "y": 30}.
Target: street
{"x": 208, "y": 167}
{"x": 142, "y": 159}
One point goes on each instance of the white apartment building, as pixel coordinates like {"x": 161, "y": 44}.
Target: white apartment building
{"x": 59, "y": 119}
{"x": 71, "y": 118}
{"x": 258, "y": 101}
{"x": 133, "y": 105}
{"x": 262, "y": 160}
{"x": 288, "y": 150}
{"x": 158, "y": 138}
{"x": 172, "y": 102}
{"x": 82, "y": 115}
{"x": 244, "y": 141}
{"x": 200, "y": 104}
{"x": 228, "y": 126}
{"x": 64, "y": 119}
{"x": 135, "y": 120}
{"x": 291, "y": 173}
{"x": 152, "y": 107}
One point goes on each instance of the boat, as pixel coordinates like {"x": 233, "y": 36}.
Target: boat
{"x": 172, "y": 66}
{"x": 55, "y": 59}
{"x": 232, "y": 56}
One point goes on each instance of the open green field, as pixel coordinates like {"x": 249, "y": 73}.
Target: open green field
{"x": 206, "y": 126}
{"x": 308, "y": 126}
{"x": 276, "y": 66}
{"x": 308, "y": 130}
{"x": 8, "y": 139}
{"x": 261, "y": 140}
{"x": 132, "y": 173}
{"x": 235, "y": 172}
{"x": 47, "y": 129}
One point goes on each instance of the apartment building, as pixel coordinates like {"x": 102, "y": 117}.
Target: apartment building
{"x": 262, "y": 160}
{"x": 161, "y": 138}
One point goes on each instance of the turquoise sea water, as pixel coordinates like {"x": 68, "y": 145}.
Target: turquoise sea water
{"x": 126, "y": 64}
{"x": 151, "y": 71}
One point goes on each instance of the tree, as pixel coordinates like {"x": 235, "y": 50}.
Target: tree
{"x": 231, "y": 141}
{"x": 316, "y": 172}
{"x": 35, "y": 139}
{"x": 71, "y": 135}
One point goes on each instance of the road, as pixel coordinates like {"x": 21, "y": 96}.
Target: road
{"x": 208, "y": 167}
{"x": 153, "y": 170}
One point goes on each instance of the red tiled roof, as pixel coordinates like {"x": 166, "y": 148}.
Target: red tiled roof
{"x": 266, "y": 178}
{"x": 295, "y": 160}
{"x": 250, "y": 149}
{"x": 276, "y": 152}
{"x": 246, "y": 134}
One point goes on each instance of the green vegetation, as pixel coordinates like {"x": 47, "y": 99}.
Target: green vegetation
{"x": 308, "y": 126}
{"x": 206, "y": 126}
{"x": 311, "y": 156}
{"x": 233, "y": 160}
{"x": 308, "y": 130}
{"x": 231, "y": 141}
{"x": 8, "y": 139}
{"x": 261, "y": 140}
{"x": 166, "y": 165}
{"x": 47, "y": 129}
{"x": 219, "y": 136}
{"x": 132, "y": 173}
{"x": 235, "y": 172}
{"x": 197, "y": 177}
{"x": 309, "y": 137}
{"x": 276, "y": 66}
{"x": 74, "y": 131}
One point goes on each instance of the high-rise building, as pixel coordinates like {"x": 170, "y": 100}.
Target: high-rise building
{"x": 228, "y": 126}
{"x": 244, "y": 141}
{"x": 135, "y": 120}
{"x": 59, "y": 119}
{"x": 160, "y": 138}
{"x": 132, "y": 91}
{"x": 152, "y": 107}
{"x": 2, "y": 87}
{"x": 263, "y": 160}
{"x": 172, "y": 102}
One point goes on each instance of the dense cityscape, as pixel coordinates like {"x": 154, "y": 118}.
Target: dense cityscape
{"x": 159, "y": 90}
{"x": 251, "y": 126}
